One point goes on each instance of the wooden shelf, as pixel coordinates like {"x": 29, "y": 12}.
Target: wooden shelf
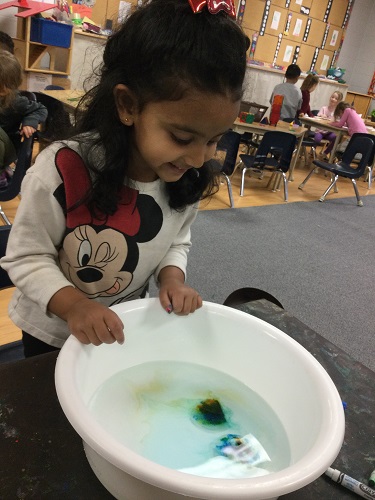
{"x": 39, "y": 57}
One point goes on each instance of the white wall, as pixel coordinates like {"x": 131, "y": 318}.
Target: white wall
{"x": 357, "y": 55}
{"x": 8, "y": 21}
{"x": 87, "y": 55}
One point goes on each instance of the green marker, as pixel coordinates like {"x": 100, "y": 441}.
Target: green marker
{"x": 371, "y": 481}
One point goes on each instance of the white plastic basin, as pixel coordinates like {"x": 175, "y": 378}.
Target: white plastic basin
{"x": 252, "y": 351}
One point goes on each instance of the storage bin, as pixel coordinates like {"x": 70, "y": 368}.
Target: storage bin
{"x": 258, "y": 110}
{"x": 50, "y": 32}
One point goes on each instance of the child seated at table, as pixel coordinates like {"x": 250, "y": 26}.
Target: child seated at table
{"x": 17, "y": 113}
{"x": 309, "y": 84}
{"x": 292, "y": 94}
{"x": 327, "y": 112}
{"x": 346, "y": 116}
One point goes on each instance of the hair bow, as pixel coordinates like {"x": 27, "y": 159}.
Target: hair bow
{"x": 214, "y": 6}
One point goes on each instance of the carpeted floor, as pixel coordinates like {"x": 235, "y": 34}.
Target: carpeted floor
{"x": 316, "y": 258}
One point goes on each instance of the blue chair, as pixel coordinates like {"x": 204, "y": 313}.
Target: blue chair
{"x": 228, "y": 145}
{"x": 54, "y": 87}
{"x": 274, "y": 154}
{"x": 359, "y": 144}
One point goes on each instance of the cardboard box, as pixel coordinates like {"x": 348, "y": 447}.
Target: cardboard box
{"x": 35, "y": 82}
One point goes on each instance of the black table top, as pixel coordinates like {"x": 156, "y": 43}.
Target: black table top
{"x": 42, "y": 457}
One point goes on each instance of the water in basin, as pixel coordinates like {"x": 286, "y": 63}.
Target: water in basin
{"x": 155, "y": 409}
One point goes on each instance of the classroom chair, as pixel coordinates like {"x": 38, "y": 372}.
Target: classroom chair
{"x": 225, "y": 159}
{"x": 359, "y": 144}
{"x": 57, "y": 120}
{"x": 274, "y": 154}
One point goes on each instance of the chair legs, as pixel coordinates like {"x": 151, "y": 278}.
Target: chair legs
{"x": 333, "y": 183}
{"x": 276, "y": 177}
{"x": 4, "y": 217}
{"x": 229, "y": 186}
{"x": 273, "y": 183}
{"x": 301, "y": 186}
{"x": 368, "y": 176}
{"x": 244, "y": 170}
{"x": 359, "y": 201}
{"x": 313, "y": 150}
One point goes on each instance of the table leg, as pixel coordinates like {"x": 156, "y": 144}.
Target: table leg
{"x": 336, "y": 143}
{"x": 294, "y": 159}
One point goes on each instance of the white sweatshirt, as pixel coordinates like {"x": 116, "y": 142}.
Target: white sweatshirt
{"x": 110, "y": 261}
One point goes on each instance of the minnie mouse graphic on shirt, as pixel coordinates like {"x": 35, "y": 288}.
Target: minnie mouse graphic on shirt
{"x": 99, "y": 256}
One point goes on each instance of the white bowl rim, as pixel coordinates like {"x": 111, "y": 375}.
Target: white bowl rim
{"x": 292, "y": 478}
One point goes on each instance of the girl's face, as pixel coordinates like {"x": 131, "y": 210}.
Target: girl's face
{"x": 4, "y": 91}
{"x": 334, "y": 99}
{"x": 170, "y": 137}
{"x": 313, "y": 88}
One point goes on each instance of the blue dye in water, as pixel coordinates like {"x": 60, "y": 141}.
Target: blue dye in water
{"x": 153, "y": 409}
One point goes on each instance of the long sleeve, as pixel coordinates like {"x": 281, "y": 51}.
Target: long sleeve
{"x": 110, "y": 262}
{"x": 25, "y": 112}
{"x": 325, "y": 112}
{"x": 305, "y": 106}
{"x": 179, "y": 249}
{"x": 32, "y": 261}
{"x": 342, "y": 122}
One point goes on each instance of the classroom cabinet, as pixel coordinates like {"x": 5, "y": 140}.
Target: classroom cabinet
{"x": 361, "y": 102}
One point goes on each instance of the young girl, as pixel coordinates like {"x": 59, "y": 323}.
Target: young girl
{"x": 103, "y": 212}
{"x": 327, "y": 112}
{"x": 309, "y": 84}
{"x": 346, "y": 116}
{"x": 16, "y": 112}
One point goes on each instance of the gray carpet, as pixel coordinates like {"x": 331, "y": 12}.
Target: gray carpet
{"x": 316, "y": 258}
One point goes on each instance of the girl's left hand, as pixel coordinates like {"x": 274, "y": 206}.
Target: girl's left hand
{"x": 174, "y": 294}
{"x": 27, "y": 131}
{"x": 179, "y": 298}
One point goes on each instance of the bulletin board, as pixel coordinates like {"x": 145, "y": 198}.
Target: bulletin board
{"x": 304, "y": 32}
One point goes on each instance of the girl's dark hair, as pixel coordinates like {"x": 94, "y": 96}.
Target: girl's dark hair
{"x": 161, "y": 51}
{"x": 340, "y": 108}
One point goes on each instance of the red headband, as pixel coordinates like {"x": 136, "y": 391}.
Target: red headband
{"x": 214, "y": 6}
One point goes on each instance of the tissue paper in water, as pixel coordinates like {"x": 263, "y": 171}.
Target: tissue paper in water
{"x": 150, "y": 409}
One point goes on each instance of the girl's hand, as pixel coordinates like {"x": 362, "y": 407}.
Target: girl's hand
{"x": 89, "y": 321}
{"x": 27, "y": 131}
{"x": 93, "y": 323}
{"x": 175, "y": 295}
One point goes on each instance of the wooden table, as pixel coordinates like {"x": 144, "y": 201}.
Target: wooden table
{"x": 42, "y": 457}
{"x": 369, "y": 123}
{"x": 323, "y": 124}
{"x": 260, "y": 129}
{"x": 69, "y": 98}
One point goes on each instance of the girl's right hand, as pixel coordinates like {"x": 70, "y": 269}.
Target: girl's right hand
{"x": 89, "y": 321}
{"x": 93, "y": 323}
